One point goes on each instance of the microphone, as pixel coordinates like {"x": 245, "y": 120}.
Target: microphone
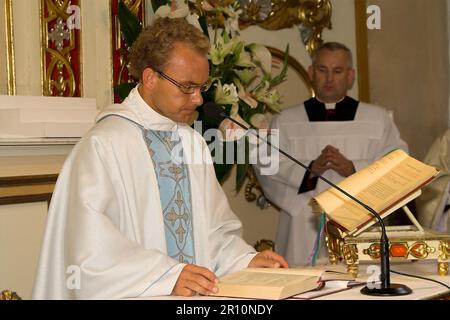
{"x": 387, "y": 288}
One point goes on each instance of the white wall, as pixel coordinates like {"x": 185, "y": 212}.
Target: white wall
{"x": 21, "y": 231}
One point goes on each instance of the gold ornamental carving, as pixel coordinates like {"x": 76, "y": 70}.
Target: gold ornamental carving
{"x": 10, "y": 63}
{"x": 418, "y": 250}
{"x": 444, "y": 250}
{"x": 310, "y": 16}
{"x": 60, "y": 46}
{"x": 350, "y": 253}
{"x": 7, "y": 295}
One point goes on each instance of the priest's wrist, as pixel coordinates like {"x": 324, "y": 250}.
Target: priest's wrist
{"x": 352, "y": 169}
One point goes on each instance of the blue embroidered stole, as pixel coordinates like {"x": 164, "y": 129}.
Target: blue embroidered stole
{"x": 175, "y": 192}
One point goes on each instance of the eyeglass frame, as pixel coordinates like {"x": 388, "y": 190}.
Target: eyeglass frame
{"x": 186, "y": 88}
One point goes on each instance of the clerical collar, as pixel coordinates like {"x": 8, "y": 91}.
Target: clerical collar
{"x": 345, "y": 110}
{"x": 150, "y": 118}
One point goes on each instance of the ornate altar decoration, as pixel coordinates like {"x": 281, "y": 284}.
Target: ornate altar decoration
{"x": 310, "y": 16}
{"x": 407, "y": 243}
{"x": 61, "y": 54}
{"x": 9, "y": 295}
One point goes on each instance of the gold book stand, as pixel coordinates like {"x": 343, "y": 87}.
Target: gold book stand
{"x": 407, "y": 242}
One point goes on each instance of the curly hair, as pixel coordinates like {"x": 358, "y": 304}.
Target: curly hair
{"x": 156, "y": 42}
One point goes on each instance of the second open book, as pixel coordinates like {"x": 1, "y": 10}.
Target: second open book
{"x": 278, "y": 283}
{"x": 382, "y": 185}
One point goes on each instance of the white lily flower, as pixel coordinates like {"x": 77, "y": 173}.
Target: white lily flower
{"x": 245, "y": 60}
{"x": 270, "y": 97}
{"x": 181, "y": 10}
{"x": 192, "y": 18}
{"x": 220, "y": 50}
{"x": 226, "y": 94}
{"x": 231, "y": 24}
{"x": 244, "y": 95}
{"x": 246, "y": 75}
{"x": 262, "y": 56}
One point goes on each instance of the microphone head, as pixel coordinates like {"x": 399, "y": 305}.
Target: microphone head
{"x": 212, "y": 110}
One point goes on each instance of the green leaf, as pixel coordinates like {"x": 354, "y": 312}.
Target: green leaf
{"x": 123, "y": 89}
{"x": 222, "y": 171}
{"x": 282, "y": 75}
{"x": 204, "y": 24}
{"x": 130, "y": 26}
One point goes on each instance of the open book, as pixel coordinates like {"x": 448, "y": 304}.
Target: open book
{"x": 382, "y": 185}
{"x": 276, "y": 283}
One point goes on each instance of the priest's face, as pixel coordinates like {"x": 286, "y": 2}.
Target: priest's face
{"x": 331, "y": 75}
{"x": 176, "y": 91}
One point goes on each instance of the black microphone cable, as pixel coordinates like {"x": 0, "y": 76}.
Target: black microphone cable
{"x": 214, "y": 111}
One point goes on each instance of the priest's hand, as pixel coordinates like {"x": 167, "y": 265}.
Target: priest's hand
{"x": 332, "y": 158}
{"x": 338, "y": 162}
{"x": 268, "y": 259}
{"x": 194, "y": 279}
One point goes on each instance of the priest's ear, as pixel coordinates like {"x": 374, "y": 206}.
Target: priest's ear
{"x": 149, "y": 77}
{"x": 350, "y": 77}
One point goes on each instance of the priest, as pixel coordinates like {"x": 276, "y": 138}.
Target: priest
{"x": 137, "y": 210}
{"x": 332, "y": 133}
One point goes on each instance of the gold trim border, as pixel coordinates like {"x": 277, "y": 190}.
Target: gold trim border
{"x": 10, "y": 58}
{"x": 362, "y": 50}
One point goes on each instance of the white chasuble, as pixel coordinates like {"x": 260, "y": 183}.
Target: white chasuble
{"x": 105, "y": 235}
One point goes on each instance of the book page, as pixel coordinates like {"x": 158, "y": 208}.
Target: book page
{"x": 396, "y": 183}
{"x": 266, "y": 279}
{"x": 307, "y": 271}
{"x": 265, "y": 285}
{"x": 334, "y": 272}
{"x": 330, "y": 199}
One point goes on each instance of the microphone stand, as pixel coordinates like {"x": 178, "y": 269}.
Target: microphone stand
{"x": 387, "y": 288}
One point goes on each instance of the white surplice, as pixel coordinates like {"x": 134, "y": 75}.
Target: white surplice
{"x": 105, "y": 230}
{"x": 369, "y": 136}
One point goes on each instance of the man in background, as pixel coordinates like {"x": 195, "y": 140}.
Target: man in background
{"x": 132, "y": 214}
{"x": 335, "y": 136}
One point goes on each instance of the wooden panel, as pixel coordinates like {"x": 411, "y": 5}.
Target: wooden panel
{"x": 27, "y": 189}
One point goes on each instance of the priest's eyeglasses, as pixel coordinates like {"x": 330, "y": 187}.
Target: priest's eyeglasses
{"x": 186, "y": 88}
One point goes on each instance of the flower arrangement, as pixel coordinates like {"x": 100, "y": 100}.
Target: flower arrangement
{"x": 241, "y": 74}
